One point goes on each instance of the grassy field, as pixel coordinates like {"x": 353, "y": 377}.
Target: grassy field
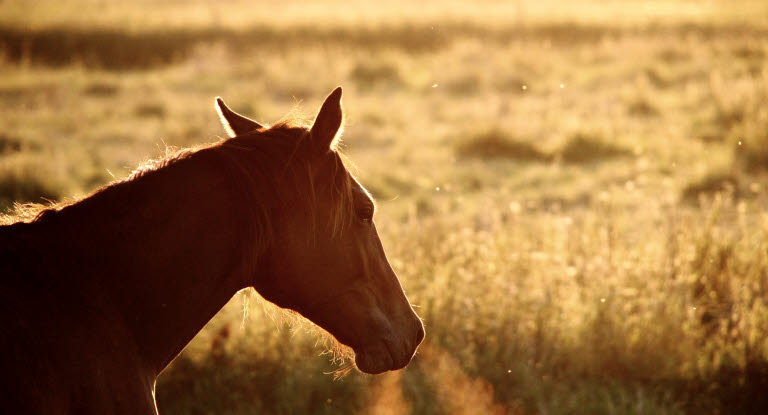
{"x": 573, "y": 193}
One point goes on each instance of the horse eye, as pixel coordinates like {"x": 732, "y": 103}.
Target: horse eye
{"x": 365, "y": 214}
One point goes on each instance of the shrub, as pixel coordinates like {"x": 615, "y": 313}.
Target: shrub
{"x": 24, "y": 186}
{"x": 9, "y": 144}
{"x": 588, "y": 148}
{"x": 750, "y": 140}
{"x": 496, "y": 144}
{"x": 367, "y": 74}
{"x": 711, "y": 184}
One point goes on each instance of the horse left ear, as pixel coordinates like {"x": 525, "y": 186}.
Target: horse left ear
{"x": 327, "y": 126}
{"x": 234, "y": 123}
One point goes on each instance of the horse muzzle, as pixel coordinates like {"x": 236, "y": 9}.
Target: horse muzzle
{"x": 391, "y": 352}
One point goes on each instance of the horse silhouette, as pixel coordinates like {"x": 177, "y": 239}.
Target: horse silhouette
{"x": 97, "y": 296}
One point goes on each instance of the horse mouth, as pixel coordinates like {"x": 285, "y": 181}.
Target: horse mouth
{"x": 374, "y": 362}
{"x": 380, "y": 358}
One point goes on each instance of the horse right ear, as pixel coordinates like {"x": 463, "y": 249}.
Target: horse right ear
{"x": 234, "y": 123}
{"x": 327, "y": 127}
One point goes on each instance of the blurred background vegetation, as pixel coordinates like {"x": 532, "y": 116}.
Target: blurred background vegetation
{"x": 572, "y": 193}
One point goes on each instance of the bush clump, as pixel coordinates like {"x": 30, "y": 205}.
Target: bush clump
{"x": 750, "y": 140}
{"x": 9, "y": 144}
{"x": 367, "y": 74}
{"x": 496, "y": 144}
{"x": 588, "y": 148}
{"x": 24, "y": 187}
{"x": 712, "y": 184}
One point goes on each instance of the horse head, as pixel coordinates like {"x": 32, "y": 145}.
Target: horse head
{"x": 325, "y": 259}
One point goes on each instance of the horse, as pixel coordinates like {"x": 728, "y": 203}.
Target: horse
{"x": 98, "y": 296}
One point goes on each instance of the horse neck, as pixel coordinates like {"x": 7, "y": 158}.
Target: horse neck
{"x": 162, "y": 252}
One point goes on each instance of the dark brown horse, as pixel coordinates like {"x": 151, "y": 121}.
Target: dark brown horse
{"x": 98, "y": 296}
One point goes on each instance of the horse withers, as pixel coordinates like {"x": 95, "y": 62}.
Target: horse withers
{"x": 98, "y": 296}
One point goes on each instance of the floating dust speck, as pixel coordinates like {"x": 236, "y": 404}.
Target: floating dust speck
{"x": 434, "y": 85}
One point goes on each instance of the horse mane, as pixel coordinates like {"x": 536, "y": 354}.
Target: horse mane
{"x": 261, "y": 147}
{"x": 31, "y": 212}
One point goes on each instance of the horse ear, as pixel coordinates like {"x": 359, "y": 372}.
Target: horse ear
{"x": 234, "y": 123}
{"x": 327, "y": 126}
